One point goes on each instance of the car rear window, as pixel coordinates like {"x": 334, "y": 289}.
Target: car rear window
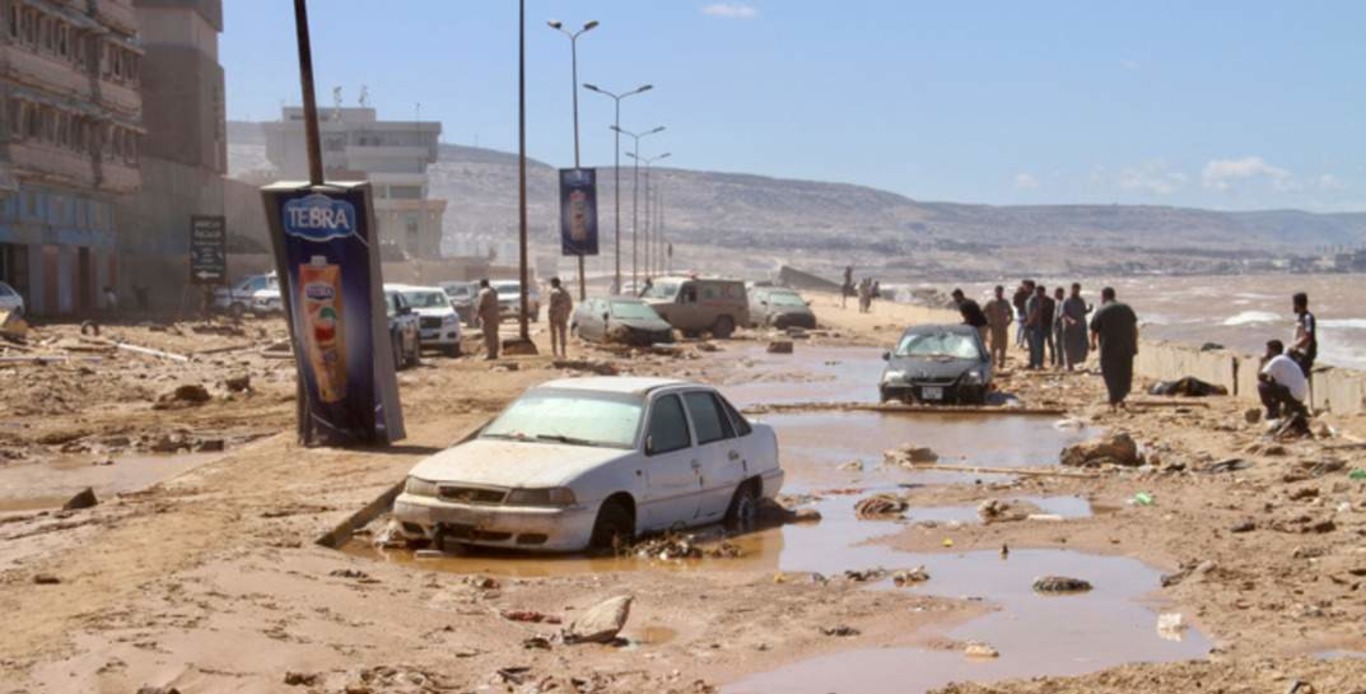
{"x": 708, "y": 419}
{"x": 742, "y": 427}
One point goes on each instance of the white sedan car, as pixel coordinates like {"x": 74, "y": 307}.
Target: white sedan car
{"x": 591, "y": 463}
{"x": 11, "y": 300}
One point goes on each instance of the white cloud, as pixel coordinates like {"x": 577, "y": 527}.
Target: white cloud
{"x": 1151, "y": 177}
{"x": 1024, "y": 181}
{"x": 1223, "y": 174}
{"x": 1331, "y": 182}
{"x": 731, "y": 10}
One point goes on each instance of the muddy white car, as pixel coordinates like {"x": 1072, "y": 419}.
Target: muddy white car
{"x": 591, "y": 463}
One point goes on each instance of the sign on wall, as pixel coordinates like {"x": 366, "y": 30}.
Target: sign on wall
{"x": 327, "y": 257}
{"x": 208, "y": 249}
{"x": 579, "y": 211}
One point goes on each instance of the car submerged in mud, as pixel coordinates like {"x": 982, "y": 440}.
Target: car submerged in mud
{"x": 623, "y": 320}
{"x": 591, "y": 463}
{"x": 937, "y": 364}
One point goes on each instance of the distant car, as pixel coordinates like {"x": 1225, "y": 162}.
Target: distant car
{"x": 437, "y": 319}
{"x": 591, "y": 463}
{"x": 463, "y": 296}
{"x": 404, "y": 330}
{"x": 255, "y": 294}
{"x": 937, "y": 364}
{"x": 11, "y": 300}
{"x": 695, "y": 305}
{"x": 510, "y": 300}
{"x": 779, "y": 308}
{"x": 622, "y": 320}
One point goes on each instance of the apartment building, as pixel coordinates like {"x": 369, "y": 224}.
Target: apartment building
{"x": 70, "y": 145}
{"x": 392, "y": 155}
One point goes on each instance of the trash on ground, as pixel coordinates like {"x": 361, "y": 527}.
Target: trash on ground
{"x": 885, "y": 505}
{"x": 1060, "y": 584}
{"x": 1115, "y": 449}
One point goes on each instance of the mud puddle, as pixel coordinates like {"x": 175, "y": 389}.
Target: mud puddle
{"x": 809, "y": 374}
{"x": 45, "y": 485}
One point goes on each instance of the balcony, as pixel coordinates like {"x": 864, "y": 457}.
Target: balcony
{"x": 117, "y": 14}
{"x": 54, "y": 164}
{"x": 120, "y": 97}
{"x": 45, "y": 72}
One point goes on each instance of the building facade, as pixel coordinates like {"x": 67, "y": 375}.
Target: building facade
{"x": 70, "y": 145}
{"x": 184, "y": 150}
{"x": 392, "y": 155}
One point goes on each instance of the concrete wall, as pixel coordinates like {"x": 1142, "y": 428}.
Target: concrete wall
{"x": 1341, "y": 391}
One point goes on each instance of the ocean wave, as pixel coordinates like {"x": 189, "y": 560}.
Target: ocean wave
{"x": 1344, "y": 323}
{"x": 1252, "y": 318}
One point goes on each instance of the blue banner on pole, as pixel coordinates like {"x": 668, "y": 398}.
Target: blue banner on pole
{"x": 579, "y": 211}
{"x": 327, "y": 257}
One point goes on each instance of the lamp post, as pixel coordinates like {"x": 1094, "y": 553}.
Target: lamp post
{"x": 635, "y": 198}
{"x": 523, "y": 331}
{"x": 574, "y": 86}
{"x": 650, "y": 258}
{"x": 616, "y": 166}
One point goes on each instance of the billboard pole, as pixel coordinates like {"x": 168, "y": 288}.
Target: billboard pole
{"x": 315, "y": 157}
{"x": 524, "y": 331}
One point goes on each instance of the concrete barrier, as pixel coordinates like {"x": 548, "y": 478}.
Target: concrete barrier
{"x": 1340, "y": 391}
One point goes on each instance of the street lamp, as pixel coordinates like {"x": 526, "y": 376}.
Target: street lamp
{"x": 635, "y": 196}
{"x": 616, "y": 167}
{"x": 649, "y": 218}
{"x": 574, "y": 87}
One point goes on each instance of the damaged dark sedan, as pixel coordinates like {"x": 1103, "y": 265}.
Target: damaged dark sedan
{"x": 937, "y": 364}
{"x": 622, "y": 320}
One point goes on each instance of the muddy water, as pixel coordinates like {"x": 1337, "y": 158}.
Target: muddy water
{"x": 36, "y": 486}
{"x": 809, "y": 374}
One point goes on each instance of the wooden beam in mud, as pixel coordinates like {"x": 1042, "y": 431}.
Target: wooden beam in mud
{"x": 783, "y": 408}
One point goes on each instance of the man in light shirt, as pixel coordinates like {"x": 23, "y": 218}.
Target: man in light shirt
{"x": 1281, "y": 384}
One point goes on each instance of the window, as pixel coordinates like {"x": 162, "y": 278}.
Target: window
{"x": 742, "y": 427}
{"x": 668, "y": 426}
{"x": 707, "y": 417}
{"x": 63, "y": 40}
{"x": 14, "y": 20}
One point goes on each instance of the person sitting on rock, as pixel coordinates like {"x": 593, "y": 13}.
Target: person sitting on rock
{"x": 1281, "y": 383}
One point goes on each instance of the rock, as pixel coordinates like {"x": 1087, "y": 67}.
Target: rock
{"x": 1252, "y": 415}
{"x": 910, "y": 455}
{"x": 85, "y": 499}
{"x": 907, "y": 577}
{"x": 977, "y": 649}
{"x": 210, "y": 446}
{"x": 238, "y": 384}
{"x": 1274, "y": 449}
{"x": 1244, "y": 527}
{"x": 1324, "y": 526}
{"x": 299, "y": 679}
{"x": 1117, "y": 449}
{"x": 600, "y": 623}
{"x": 149, "y": 689}
{"x": 995, "y": 510}
{"x": 852, "y": 466}
{"x": 1304, "y": 493}
{"x": 841, "y": 630}
{"x": 780, "y": 347}
{"x": 805, "y": 515}
{"x": 192, "y": 393}
{"x": 1060, "y": 584}
{"x": 46, "y": 580}
{"x": 168, "y": 444}
{"x": 880, "y": 506}
{"x": 1171, "y": 626}
{"x": 707, "y": 347}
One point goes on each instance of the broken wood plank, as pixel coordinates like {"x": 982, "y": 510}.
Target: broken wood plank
{"x": 221, "y": 350}
{"x": 151, "y": 352}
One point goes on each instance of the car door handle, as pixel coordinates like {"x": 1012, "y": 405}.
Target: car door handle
{"x": 697, "y": 465}
{"x": 734, "y": 455}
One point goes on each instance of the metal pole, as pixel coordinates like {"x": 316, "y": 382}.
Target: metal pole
{"x": 649, "y": 218}
{"x": 574, "y": 70}
{"x": 315, "y": 157}
{"x": 635, "y": 216}
{"x": 616, "y": 196}
{"x": 521, "y": 163}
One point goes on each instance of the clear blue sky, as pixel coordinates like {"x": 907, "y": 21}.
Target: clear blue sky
{"x": 1238, "y": 104}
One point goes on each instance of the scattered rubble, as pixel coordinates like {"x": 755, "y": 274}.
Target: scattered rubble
{"x": 979, "y": 650}
{"x": 780, "y": 347}
{"x": 906, "y": 577}
{"x": 1060, "y": 584}
{"x": 840, "y": 630}
{"x": 909, "y": 455}
{"x": 1115, "y": 449}
{"x": 881, "y": 506}
{"x": 601, "y": 368}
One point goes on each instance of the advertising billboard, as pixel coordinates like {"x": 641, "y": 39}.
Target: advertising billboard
{"x": 208, "y": 249}
{"x": 579, "y": 211}
{"x": 327, "y": 258}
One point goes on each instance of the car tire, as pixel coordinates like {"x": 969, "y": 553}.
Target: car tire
{"x": 724, "y": 328}
{"x": 415, "y": 359}
{"x": 614, "y": 528}
{"x": 451, "y": 351}
{"x": 743, "y": 513}
{"x": 398, "y": 351}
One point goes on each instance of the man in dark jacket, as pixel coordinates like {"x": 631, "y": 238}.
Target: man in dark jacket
{"x": 1115, "y": 328}
{"x": 972, "y": 314}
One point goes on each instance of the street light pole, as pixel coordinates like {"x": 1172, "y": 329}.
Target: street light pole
{"x": 616, "y": 167}
{"x": 523, "y": 329}
{"x": 651, "y": 259}
{"x": 635, "y": 200}
{"x": 574, "y": 86}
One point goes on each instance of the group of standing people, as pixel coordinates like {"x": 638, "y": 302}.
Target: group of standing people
{"x": 1283, "y": 383}
{"x": 1055, "y": 330}
{"x": 490, "y": 317}
{"x": 866, "y": 290}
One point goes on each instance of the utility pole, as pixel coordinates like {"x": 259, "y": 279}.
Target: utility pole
{"x": 574, "y": 86}
{"x": 616, "y": 168}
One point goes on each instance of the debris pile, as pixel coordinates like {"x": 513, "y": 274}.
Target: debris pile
{"x": 1115, "y": 449}
{"x": 1060, "y": 584}
{"x": 910, "y": 456}
{"x": 881, "y": 506}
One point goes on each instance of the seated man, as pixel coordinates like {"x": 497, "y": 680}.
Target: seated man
{"x": 1281, "y": 384}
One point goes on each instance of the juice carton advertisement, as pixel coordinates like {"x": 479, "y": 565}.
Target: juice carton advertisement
{"x": 327, "y": 256}
{"x": 579, "y": 211}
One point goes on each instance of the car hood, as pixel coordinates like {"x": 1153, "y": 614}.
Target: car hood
{"x": 923, "y": 367}
{"x": 434, "y": 312}
{"x": 643, "y": 324}
{"x": 501, "y": 463}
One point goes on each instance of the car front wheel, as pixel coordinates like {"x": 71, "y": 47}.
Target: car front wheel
{"x": 614, "y": 529}
{"x": 744, "y": 508}
{"x": 725, "y": 325}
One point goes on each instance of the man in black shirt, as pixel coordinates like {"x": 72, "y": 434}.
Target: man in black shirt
{"x": 972, "y": 314}
{"x": 1306, "y": 346}
{"x": 1115, "y": 328}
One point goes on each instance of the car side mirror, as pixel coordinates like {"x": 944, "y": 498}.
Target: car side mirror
{"x": 606, "y": 316}
{"x": 649, "y": 445}
{"x": 886, "y": 356}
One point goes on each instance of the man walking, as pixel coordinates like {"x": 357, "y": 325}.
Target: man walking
{"x": 1115, "y": 328}
{"x": 1073, "y": 341}
{"x": 999, "y": 314}
{"x": 1306, "y": 345}
{"x": 972, "y": 314}
{"x": 865, "y": 295}
{"x": 1040, "y": 321}
{"x": 561, "y": 304}
{"x": 487, "y": 309}
{"x": 1055, "y": 357}
{"x": 1281, "y": 384}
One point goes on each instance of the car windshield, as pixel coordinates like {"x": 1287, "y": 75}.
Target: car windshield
{"x": 458, "y": 290}
{"x": 507, "y": 289}
{"x": 785, "y": 299}
{"x": 633, "y": 310}
{"x": 662, "y": 290}
{"x": 568, "y": 416}
{"x": 427, "y": 299}
{"x": 941, "y": 344}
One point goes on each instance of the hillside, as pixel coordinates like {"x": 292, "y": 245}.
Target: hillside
{"x": 826, "y": 225}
